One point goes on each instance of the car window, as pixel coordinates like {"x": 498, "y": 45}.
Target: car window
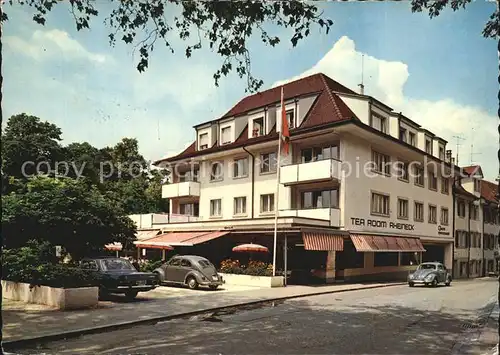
{"x": 204, "y": 263}
{"x": 440, "y": 267}
{"x": 89, "y": 265}
{"x": 117, "y": 264}
{"x": 427, "y": 267}
{"x": 175, "y": 262}
{"x": 185, "y": 263}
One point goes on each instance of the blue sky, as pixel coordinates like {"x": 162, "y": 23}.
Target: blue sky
{"x": 440, "y": 72}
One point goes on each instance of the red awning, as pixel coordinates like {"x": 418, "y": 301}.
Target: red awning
{"x": 323, "y": 241}
{"x": 153, "y": 245}
{"x": 146, "y": 234}
{"x": 374, "y": 243}
{"x": 179, "y": 239}
{"x": 115, "y": 246}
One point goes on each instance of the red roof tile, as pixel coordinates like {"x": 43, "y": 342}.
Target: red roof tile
{"x": 472, "y": 169}
{"x": 314, "y": 83}
{"x": 489, "y": 191}
{"x": 327, "y": 108}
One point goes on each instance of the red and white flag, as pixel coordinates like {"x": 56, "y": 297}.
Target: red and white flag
{"x": 285, "y": 132}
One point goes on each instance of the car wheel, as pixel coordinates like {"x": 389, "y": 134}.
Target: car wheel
{"x": 411, "y": 284}
{"x": 130, "y": 295}
{"x": 448, "y": 282}
{"x": 103, "y": 293}
{"x": 434, "y": 282}
{"x": 213, "y": 287}
{"x": 192, "y": 283}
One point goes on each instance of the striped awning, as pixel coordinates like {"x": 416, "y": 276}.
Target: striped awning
{"x": 146, "y": 234}
{"x": 378, "y": 243}
{"x": 115, "y": 246}
{"x": 322, "y": 241}
{"x": 174, "y": 239}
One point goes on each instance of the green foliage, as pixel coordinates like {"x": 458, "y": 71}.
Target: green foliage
{"x": 64, "y": 212}
{"x": 254, "y": 268}
{"x": 36, "y": 264}
{"x": 150, "y": 265}
{"x": 225, "y": 27}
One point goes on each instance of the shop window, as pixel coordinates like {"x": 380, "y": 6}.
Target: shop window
{"x": 410, "y": 258}
{"x": 349, "y": 258}
{"x": 386, "y": 259}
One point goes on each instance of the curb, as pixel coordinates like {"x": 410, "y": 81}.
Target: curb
{"x": 13, "y": 344}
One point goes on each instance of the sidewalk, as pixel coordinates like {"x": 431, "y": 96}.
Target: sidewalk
{"x": 23, "y": 326}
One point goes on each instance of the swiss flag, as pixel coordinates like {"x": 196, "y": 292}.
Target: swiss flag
{"x": 285, "y": 132}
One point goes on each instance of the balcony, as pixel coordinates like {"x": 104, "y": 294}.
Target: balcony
{"x": 315, "y": 171}
{"x": 181, "y": 189}
{"x": 331, "y": 215}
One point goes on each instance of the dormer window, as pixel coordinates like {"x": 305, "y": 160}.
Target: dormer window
{"x": 428, "y": 146}
{"x": 379, "y": 122}
{"x": 203, "y": 141}
{"x": 441, "y": 153}
{"x": 476, "y": 185}
{"x": 402, "y": 134}
{"x": 413, "y": 139}
{"x": 290, "y": 116}
{"x": 226, "y": 135}
{"x": 258, "y": 127}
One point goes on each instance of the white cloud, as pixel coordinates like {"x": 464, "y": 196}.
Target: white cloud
{"x": 385, "y": 80}
{"x": 53, "y": 44}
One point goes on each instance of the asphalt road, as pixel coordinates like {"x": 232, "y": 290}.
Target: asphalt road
{"x": 393, "y": 320}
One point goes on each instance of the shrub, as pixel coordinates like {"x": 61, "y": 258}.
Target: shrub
{"x": 254, "y": 268}
{"x": 37, "y": 264}
{"x": 149, "y": 265}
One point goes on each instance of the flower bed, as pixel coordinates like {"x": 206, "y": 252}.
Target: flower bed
{"x": 256, "y": 273}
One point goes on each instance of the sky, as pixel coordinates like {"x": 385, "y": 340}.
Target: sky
{"x": 439, "y": 72}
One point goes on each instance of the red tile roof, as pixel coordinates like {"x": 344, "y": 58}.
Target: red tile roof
{"x": 489, "y": 191}
{"x": 311, "y": 84}
{"x": 327, "y": 108}
{"x": 472, "y": 169}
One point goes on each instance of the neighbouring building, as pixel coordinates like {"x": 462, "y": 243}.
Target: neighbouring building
{"x": 365, "y": 193}
{"x": 491, "y": 226}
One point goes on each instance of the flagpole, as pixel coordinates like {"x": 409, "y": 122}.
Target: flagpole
{"x": 277, "y": 191}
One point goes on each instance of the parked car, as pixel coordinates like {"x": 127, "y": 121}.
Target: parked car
{"x": 190, "y": 270}
{"x": 117, "y": 275}
{"x": 432, "y": 273}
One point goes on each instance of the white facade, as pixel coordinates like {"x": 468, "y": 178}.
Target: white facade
{"x": 327, "y": 180}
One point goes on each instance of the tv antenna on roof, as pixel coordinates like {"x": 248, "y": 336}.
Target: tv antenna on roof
{"x": 458, "y": 138}
{"x": 362, "y": 86}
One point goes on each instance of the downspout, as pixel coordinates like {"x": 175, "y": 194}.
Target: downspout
{"x": 468, "y": 243}
{"x": 483, "y": 266}
{"x": 454, "y": 199}
{"x": 253, "y": 180}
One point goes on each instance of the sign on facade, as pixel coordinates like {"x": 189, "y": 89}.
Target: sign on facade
{"x": 356, "y": 221}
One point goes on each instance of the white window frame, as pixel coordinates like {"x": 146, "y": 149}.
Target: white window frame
{"x": 380, "y": 204}
{"x": 383, "y": 122}
{"x": 240, "y": 206}
{"x": 381, "y": 163}
{"x": 216, "y": 207}
{"x": 415, "y": 217}
{"x": 240, "y": 164}
{"x": 419, "y": 176}
{"x": 225, "y": 131}
{"x": 445, "y": 216}
{"x": 433, "y": 181}
{"x": 201, "y": 139}
{"x": 271, "y": 168}
{"x": 269, "y": 198}
{"x": 403, "y": 208}
{"x": 432, "y": 216}
{"x": 215, "y": 178}
{"x": 445, "y": 186}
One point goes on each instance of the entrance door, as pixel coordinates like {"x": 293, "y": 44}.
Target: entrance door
{"x": 433, "y": 253}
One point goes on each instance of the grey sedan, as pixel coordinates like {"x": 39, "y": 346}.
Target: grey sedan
{"x": 432, "y": 273}
{"x": 190, "y": 270}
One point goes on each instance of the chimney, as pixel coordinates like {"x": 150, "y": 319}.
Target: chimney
{"x": 361, "y": 89}
{"x": 448, "y": 156}
{"x": 453, "y": 161}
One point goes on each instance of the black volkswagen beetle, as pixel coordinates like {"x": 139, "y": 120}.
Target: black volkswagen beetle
{"x": 118, "y": 275}
{"x": 190, "y": 270}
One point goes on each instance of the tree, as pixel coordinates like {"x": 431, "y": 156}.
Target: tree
{"x": 224, "y": 26}
{"x": 29, "y": 146}
{"x": 64, "y": 212}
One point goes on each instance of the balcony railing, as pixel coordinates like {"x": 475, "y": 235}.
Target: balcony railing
{"x": 321, "y": 170}
{"x": 181, "y": 189}
{"x": 327, "y": 214}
